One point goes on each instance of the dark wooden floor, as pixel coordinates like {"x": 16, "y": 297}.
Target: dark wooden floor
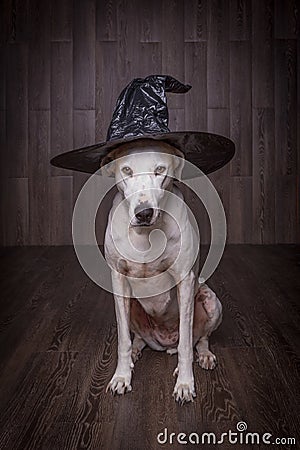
{"x": 58, "y": 351}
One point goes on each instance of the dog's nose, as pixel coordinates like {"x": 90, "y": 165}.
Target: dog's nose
{"x": 143, "y": 215}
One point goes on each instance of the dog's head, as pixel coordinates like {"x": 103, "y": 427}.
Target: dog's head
{"x": 144, "y": 170}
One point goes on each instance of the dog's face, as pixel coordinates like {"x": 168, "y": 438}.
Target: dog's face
{"x": 143, "y": 173}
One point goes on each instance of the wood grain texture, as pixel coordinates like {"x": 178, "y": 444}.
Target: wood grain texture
{"x": 61, "y": 20}
{"x": 72, "y": 60}
{"x": 262, "y": 54}
{"x": 172, "y": 46}
{"x": 39, "y": 171}
{"x": 286, "y": 17}
{"x": 286, "y": 107}
{"x": 17, "y": 110}
{"x": 39, "y": 56}
{"x": 240, "y": 20}
{"x": 106, "y": 20}
{"x": 61, "y": 100}
{"x": 263, "y": 172}
{"x": 84, "y": 54}
{"x": 150, "y": 14}
{"x": 196, "y": 74}
{"x": 61, "y": 351}
{"x": 61, "y": 195}
{"x": 195, "y": 20}
{"x": 240, "y": 211}
{"x": 240, "y": 107}
{"x": 218, "y": 54}
{"x": 84, "y": 135}
{"x": 16, "y": 212}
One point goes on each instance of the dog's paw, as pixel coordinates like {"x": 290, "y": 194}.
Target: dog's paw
{"x": 119, "y": 384}
{"x": 136, "y": 354}
{"x": 207, "y": 360}
{"x": 184, "y": 392}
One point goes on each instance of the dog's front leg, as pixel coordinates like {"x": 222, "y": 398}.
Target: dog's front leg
{"x": 184, "y": 390}
{"x": 120, "y": 382}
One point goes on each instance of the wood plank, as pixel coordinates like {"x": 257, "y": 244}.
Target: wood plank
{"x": 176, "y": 119}
{"x": 39, "y": 56}
{"x": 286, "y": 204}
{"x": 84, "y": 54}
{"x": 263, "y": 176}
{"x": 173, "y": 47}
{"x": 61, "y": 100}
{"x": 17, "y": 110}
{"x": 195, "y": 21}
{"x": 106, "y": 20}
{"x": 39, "y": 172}
{"x": 240, "y": 108}
{"x": 150, "y": 59}
{"x": 108, "y": 87}
{"x": 218, "y": 54}
{"x": 298, "y": 141}
{"x": 196, "y": 75}
{"x": 218, "y": 122}
{"x": 3, "y": 176}
{"x": 240, "y": 211}
{"x": 16, "y": 212}
{"x": 262, "y": 54}
{"x": 61, "y": 195}
{"x": 20, "y": 21}
{"x": 286, "y": 107}
{"x": 84, "y": 135}
{"x": 240, "y": 20}
{"x": 128, "y": 40}
{"x": 150, "y": 17}
{"x": 5, "y": 21}
{"x": 286, "y": 24}
{"x": 61, "y": 20}
{"x": 61, "y": 352}
{"x": 3, "y": 66}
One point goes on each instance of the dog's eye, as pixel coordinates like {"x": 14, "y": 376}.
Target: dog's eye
{"x": 159, "y": 169}
{"x": 127, "y": 170}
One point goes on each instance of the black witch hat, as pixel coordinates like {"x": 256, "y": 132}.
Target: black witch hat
{"x": 141, "y": 112}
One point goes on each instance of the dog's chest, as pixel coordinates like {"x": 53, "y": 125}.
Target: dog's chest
{"x": 145, "y": 270}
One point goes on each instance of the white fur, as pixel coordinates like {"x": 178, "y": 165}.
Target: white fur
{"x": 143, "y": 184}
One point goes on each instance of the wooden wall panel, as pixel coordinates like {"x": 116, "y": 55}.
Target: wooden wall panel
{"x": 196, "y": 74}
{"x": 61, "y": 20}
{"x": 262, "y": 54}
{"x": 61, "y": 100}
{"x": 39, "y": 56}
{"x": 17, "y": 109}
{"x": 195, "y": 21}
{"x": 263, "y": 215}
{"x": 84, "y": 54}
{"x": 39, "y": 177}
{"x": 241, "y": 107}
{"x": 218, "y": 54}
{"x": 64, "y": 63}
{"x": 240, "y": 20}
{"x": 16, "y": 210}
{"x": 172, "y": 46}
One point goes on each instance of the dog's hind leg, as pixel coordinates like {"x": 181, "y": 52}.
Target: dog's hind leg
{"x": 137, "y": 346}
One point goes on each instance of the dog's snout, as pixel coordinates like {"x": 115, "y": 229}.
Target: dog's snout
{"x": 143, "y": 215}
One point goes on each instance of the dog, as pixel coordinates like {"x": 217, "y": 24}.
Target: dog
{"x": 177, "y": 318}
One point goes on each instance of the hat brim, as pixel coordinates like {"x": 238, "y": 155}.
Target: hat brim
{"x": 209, "y": 152}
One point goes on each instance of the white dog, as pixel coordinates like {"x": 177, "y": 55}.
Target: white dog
{"x": 174, "y": 318}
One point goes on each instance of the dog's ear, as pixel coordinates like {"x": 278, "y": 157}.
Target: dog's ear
{"x": 178, "y": 165}
{"x": 108, "y": 166}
